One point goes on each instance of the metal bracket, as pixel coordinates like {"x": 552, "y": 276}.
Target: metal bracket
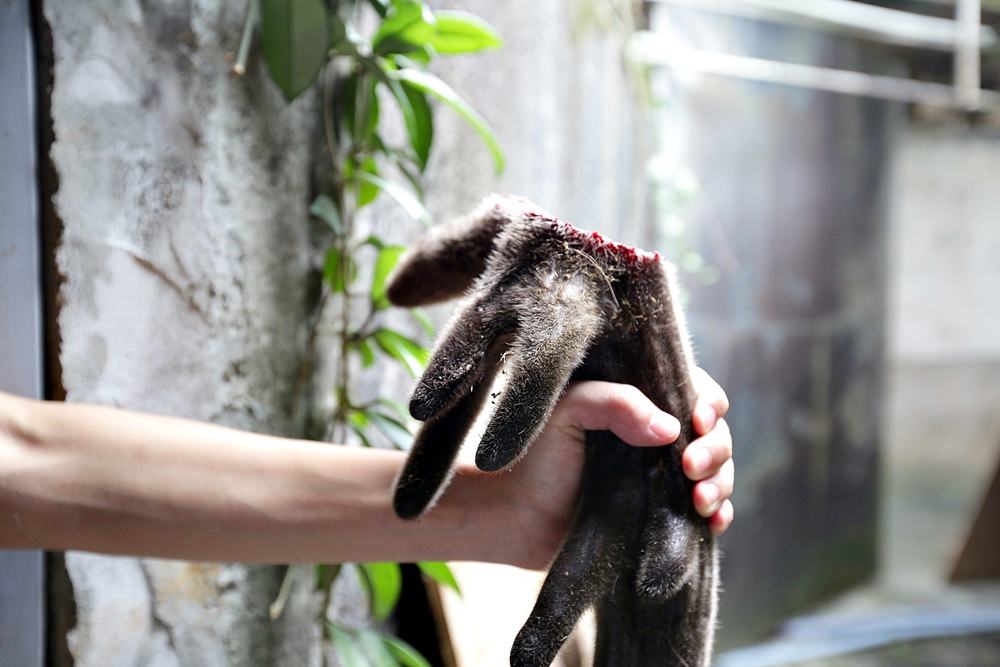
{"x": 964, "y": 36}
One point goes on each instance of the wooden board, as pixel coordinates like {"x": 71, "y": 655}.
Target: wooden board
{"x": 980, "y": 557}
{"x": 480, "y": 625}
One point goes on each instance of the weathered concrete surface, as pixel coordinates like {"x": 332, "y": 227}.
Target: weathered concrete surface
{"x": 561, "y": 100}
{"x": 945, "y": 244}
{"x": 188, "y": 266}
{"x": 942, "y": 425}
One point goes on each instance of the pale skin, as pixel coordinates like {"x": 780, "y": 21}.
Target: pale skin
{"x": 100, "y": 479}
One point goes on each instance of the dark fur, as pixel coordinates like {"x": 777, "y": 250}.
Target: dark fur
{"x": 570, "y": 306}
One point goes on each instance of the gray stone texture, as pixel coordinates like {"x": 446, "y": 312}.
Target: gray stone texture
{"x": 187, "y": 269}
{"x": 562, "y": 102}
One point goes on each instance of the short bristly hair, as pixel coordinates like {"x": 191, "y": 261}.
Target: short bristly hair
{"x": 559, "y": 304}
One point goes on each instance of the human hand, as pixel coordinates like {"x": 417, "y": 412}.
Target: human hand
{"x": 709, "y": 459}
{"x": 542, "y": 488}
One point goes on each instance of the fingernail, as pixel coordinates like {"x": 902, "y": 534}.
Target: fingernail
{"x": 706, "y": 415}
{"x": 665, "y": 426}
{"x": 700, "y": 460}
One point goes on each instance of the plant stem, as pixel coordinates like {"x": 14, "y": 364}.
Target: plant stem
{"x": 306, "y": 366}
{"x": 278, "y": 606}
{"x": 346, "y": 213}
{"x": 330, "y": 125}
{"x": 362, "y": 331}
{"x": 249, "y": 23}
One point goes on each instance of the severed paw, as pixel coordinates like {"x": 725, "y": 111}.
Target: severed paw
{"x": 549, "y": 303}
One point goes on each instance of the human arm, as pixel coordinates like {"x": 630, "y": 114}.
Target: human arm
{"x": 101, "y": 479}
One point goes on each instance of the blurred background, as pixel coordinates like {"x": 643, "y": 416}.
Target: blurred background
{"x": 826, "y": 174}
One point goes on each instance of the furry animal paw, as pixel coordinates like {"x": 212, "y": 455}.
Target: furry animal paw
{"x": 549, "y": 303}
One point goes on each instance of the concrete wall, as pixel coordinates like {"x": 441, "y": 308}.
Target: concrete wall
{"x": 187, "y": 269}
{"x": 562, "y": 101}
{"x": 946, "y": 244}
{"x": 942, "y": 425}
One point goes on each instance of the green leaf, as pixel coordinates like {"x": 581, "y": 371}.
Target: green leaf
{"x": 406, "y": 655}
{"x": 378, "y": 653}
{"x": 357, "y": 97}
{"x": 367, "y": 192}
{"x": 441, "y": 573}
{"x": 459, "y": 32}
{"x": 336, "y": 274}
{"x": 424, "y": 320}
{"x": 398, "y": 17}
{"x": 326, "y": 210}
{"x": 362, "y": 434}
{"x": 384, "y": 584}
{"x": 418, "y": 56}
{"x": 403, "y": 197}
{"x": 414, "y": 108}
{"x": 381, "y": 7}
{"x": 367, "y": 104}
{"x": 408, "y": 352}
{"x": 358, "y": 418}
{"x": 359, "y": 422}
{"x": 367, "y": 353}
{"x": 428, "y": 83}
{"x": 349, "y": 653}
{"x": 325, "y": 575}
{"x": 373, "y": 241}
{"x": 345, "y": 94}
{"x": 387, "y": 259}
{"x": 409, "y": 24}
{"x": 409, "y": 167}
{"x": 294, "y": 42}
{"x": 422, "y": 135}
{"x": 413, "y": 28}
{"x": 394, "y": 430}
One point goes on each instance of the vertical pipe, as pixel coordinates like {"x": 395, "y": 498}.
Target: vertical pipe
{"x": 967, "y": 17}
{"x": 21, "y": 572}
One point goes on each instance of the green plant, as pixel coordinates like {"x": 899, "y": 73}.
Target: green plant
{"x": 314, "y": 43}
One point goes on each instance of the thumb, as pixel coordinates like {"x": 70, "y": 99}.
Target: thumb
{"x": 619, "y": 408}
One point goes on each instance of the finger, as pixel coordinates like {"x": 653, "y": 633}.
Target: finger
{"x": 709, "y": 494}
{"x": 705, "y": 456}
{"x": 574, "y": 581}
{"x": 554, "y": 334}
{"x": 619, "y": 408}
{"x": 712, "y": 401}
{"x": 429, "y": 466}
{"x": 459, "y": 358}
{"x": 446, "y": 261}
{"x": 721, "y": 520}
{"x": 704, "y": 417}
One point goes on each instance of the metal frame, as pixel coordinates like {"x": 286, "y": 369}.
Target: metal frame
{"x": 22, "y": 581}
{"x": 965, "y": 36}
